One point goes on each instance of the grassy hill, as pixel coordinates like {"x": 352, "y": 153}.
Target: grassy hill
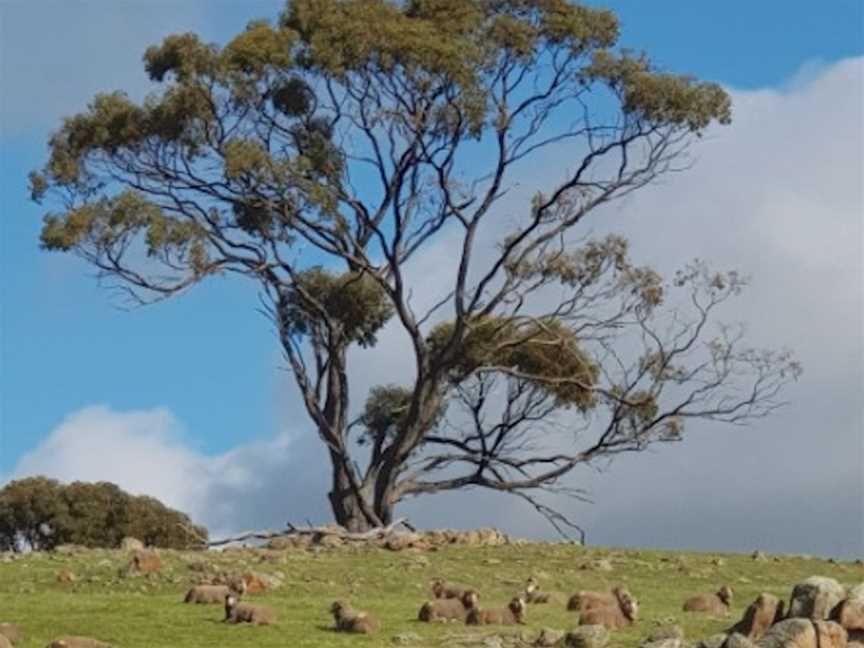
{"x": 146, "y": 612}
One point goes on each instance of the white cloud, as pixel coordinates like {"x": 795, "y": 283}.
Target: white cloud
{"x": 147, "y": 452}
{"x": 779, "y": 195}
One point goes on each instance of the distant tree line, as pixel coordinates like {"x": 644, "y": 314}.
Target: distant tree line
{"x": 38, "y": 513}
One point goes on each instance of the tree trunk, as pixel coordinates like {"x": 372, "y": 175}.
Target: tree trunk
{"x": 357, "y": 511}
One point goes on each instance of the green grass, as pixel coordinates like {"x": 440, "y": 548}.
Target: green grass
{"x": 147, "y": 612}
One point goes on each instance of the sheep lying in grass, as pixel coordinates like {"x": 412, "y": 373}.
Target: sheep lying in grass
{"x": 513, "y": 614}
{"x": 237, "y": 612}
{"x": 350, "y": 620}
{"x": 77, "y": 642}
{"x": 622, "y": 613}
{"x": 585, "y": 600}
{"x": 449, "y": 609}
{"x": 535, "y": 596}
{"x": 11, "y": 632}
{"x": 206, "y": 594}
{"x": 444, "y": 590}
{"x": 713, "y": 603}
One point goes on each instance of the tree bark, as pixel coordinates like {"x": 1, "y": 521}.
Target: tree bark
{"x": 355, "y": 510}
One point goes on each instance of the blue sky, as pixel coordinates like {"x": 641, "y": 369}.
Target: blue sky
{"x": 208, "y": 358}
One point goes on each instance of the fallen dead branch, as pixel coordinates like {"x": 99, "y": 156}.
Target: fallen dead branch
{"x": 316, "y": 532}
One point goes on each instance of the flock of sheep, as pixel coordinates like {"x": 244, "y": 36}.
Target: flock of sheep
{"x": 449, "y": 603}
{"x": 456, "y": 603}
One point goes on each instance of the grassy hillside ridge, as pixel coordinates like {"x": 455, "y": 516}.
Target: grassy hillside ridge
{"x": 144, "y": 611}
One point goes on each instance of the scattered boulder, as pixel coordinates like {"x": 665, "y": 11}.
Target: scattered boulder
{"x": 669, "y": 642}
{"x": 815, "y": 598}
{"x": 601, "y": 564}
{"x": 849, "y": 613}
{"x": 804, "y": 633}
{"x": 587, "y": 636}
{"x": 831, "y": 635}
{"x": 714, "y": 641}
{"x": 548, "y": 638}
{"x": 666, "y": 632}
{"x": 406, "y": 638}
{"x": 131, "y": 544}
{"x": 69, "y": 549}
{"x": 737, "y": 640}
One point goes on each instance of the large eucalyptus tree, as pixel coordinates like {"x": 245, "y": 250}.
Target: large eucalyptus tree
{"x": 319, "y": 156}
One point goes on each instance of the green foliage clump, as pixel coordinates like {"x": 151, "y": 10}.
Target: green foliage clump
{"x": 661, "y": 98}
{"x": 385, "y": 408}
{"x": 41, "y": 513}
{"x": 544, "y": 351}
{"x": 351, "y": 306}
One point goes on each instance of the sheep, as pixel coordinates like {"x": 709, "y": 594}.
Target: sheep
{"x": 77, "y": 642}
{"x": 237, "y": 612}
{"x": 11, "y": 632}
{"x": 349, "y": 620}
{"x": 4, "y": 642}
{"x": 714, "y": 603}
{"x": 535, "y": 596}
{"x": 449, "y": 609}
{"x": 513, "y": 614}
{"x": 585, "y": 600}
{"x": 623, "y": 612}
{"x": 444, "y": 590}
{"x": 204, "y": 594}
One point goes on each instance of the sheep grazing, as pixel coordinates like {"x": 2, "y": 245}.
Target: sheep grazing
{"x": 622, "y": 613}
{"x": 513, "y": 614}
{"x": 444, "y": 590}
{"x": 713, "y": 603}
{"x": 449, "y": 609}
{"x": 78, "y": 642}
{"x": 237, "y": 612}
{"x": 535, "y": 596}
{"x": 11, "y": 632}
{"x": 350, "y": 620}
{"x": 206, "y": 594}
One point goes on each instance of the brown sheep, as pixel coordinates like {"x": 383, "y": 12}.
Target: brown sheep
{"x": 237, "y": 612}
{"x": 535, "y": 596}
{"x": 513, "y": 614}
{"x": 444, "y": 590}
{"x": 350, "y": 620}
{"x": 585, "y": 600}
{"x": 713, "y": 603}
{"x": 4, "y": 642}
{"x": 205, "y": 594}
{"x": 623, "y": 613}
{"x": 760, "y": 615}
{"x": 449, "y": 609}
{"x": 11, "y": 632}
{"x": 77, "y": 642}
